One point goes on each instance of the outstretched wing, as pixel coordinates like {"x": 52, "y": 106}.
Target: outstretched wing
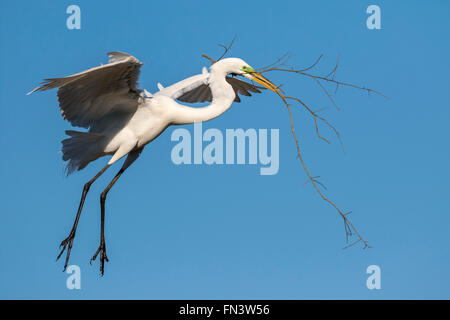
{"x": 88, "y": 96}
{"x": 196, "y": 89}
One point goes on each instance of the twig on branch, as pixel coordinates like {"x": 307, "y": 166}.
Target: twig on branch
{"x": 226, "y": 50}
{"x": 314, "y": 64}
{"x": 328, "y": 95}
{"x": 210, "y": 59}
{"x": 333, "y": 72}
{"x": 281, "y": 61}
{"x": 336, "y": 132}
{"x": 315, "y": 117}
{"x": 317, "y": 181}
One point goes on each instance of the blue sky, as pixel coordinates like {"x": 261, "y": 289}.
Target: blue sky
{"x": 213, "y": 232}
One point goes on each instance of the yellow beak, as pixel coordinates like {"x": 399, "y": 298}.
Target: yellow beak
{"x": 263, "y": 81}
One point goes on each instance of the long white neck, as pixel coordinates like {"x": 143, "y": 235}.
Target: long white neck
{"x": 222, "y": 97}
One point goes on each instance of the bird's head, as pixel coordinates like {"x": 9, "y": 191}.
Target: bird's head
{"x": 239, "y": 67}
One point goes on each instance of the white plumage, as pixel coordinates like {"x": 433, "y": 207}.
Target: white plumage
{"x": 121, "y": 119}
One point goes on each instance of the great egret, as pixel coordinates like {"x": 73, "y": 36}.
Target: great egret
{"x": 123, "y": 119}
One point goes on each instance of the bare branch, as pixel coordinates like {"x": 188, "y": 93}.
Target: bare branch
{"x": 328, "y": 80}
{"x": 336, "y": 132}
{"x": 314, "y": 64}
{"x": 227, "y": 48}
{"x": 349, "y": 228}
{"x": 333, "y": 72}
{"x": 281, "y": 61}
{"x": 210, "y": 59}
{"x": 328, "y": 95}
{"x": 313, "y": 114}
{"x": 317, "y": 181}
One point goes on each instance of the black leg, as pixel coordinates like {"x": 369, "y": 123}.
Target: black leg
{"x": 132, "y": 156}
{"x": 69, "y": 240}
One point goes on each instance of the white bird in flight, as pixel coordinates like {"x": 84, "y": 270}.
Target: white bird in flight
{"x": 122, "y": 119}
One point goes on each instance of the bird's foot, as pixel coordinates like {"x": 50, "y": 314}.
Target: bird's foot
{"x": 66, "y": 243}
{"x": 102, "y": 250}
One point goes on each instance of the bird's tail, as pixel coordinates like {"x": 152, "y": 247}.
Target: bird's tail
{"x": 80, "y": 149}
